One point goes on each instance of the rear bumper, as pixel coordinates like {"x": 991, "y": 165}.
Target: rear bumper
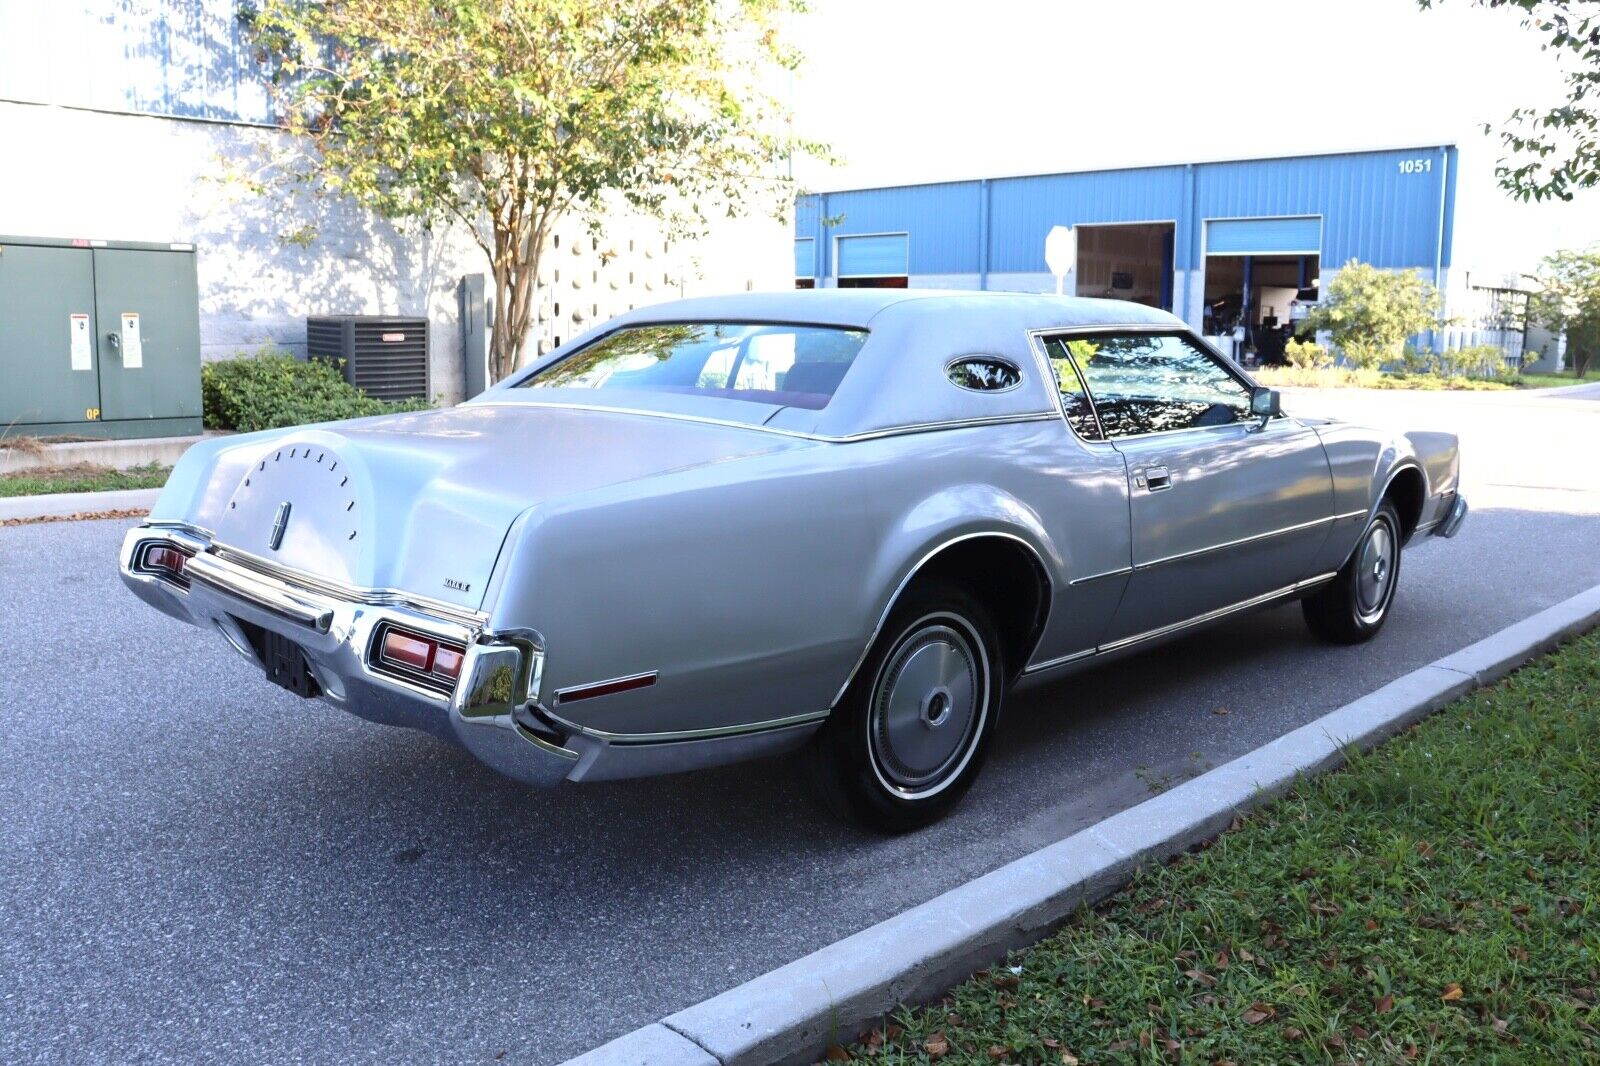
{"x": 493, "y": 711}
{"x": 486, "y": 711}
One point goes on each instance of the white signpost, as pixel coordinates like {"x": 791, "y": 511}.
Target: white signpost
{"x": 1061, "y": 254}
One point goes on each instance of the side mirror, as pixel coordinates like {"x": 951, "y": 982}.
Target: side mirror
{"x": 1265, "y": 403}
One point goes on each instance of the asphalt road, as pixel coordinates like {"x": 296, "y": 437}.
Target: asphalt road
{"x": 197, "y": 866}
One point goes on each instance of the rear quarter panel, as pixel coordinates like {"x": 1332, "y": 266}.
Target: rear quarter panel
{"x": 754, "y": 586}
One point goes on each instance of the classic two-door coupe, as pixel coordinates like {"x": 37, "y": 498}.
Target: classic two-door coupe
{"x": 848, "y": 520}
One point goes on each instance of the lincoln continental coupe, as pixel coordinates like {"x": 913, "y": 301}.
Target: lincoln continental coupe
{"x": 844, "y": 521}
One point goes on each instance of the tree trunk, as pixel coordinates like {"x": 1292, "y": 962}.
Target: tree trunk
{"x": 515, "y": 297}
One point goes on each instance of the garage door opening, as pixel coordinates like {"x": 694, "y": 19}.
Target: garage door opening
{"x": 1126, "y": 262}
{"x": 1261, "y": 282}
{"x": 1255, "y": 304}
{"x": 874, "y": 261}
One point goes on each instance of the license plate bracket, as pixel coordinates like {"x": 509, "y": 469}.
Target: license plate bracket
{"x": 286, "y": 665}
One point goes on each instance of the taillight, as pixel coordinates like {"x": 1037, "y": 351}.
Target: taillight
{"x": 418, "y": 656}
{"x": 414, "y": 652}
{"x": 447, "y": 662}
{"x": 162, "y": 557}
{"x": 164, "y": 561}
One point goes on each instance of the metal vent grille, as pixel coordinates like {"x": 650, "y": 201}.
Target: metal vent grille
{"x": 383, "y": 357}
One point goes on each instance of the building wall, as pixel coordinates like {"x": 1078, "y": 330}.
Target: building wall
{"x": 146, "y": 122}
{"x": 1391, "y": 208}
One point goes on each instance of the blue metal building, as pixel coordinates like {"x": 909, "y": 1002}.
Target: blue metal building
{"x": 1219, "y": 243}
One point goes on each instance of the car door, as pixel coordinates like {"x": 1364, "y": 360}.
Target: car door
{"x": 1224, "y": 508}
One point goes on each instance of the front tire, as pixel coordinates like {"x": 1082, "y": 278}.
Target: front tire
{"x": 908, "y": 738}
{"x": 1353, "y": 607}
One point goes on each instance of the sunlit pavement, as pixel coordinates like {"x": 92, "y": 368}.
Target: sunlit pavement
{"x": 195, "y": 865}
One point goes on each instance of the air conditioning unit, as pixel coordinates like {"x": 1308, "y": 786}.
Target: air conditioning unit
{"x": 383, "y": 357}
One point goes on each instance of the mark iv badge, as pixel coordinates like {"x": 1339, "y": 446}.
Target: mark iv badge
{"x": 279, "y": 523}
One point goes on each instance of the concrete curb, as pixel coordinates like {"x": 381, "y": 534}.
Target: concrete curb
{"x": 68, "y": 503}
{"x": 120, "y": 454}
{"x": 793, "y": 1013}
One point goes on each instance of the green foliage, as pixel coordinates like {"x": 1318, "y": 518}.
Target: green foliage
{"x": 1569, "y": 299}
{"x": 509, "y": 116}
{"x": 1370, "y": 312}
{"x": 1475, "y": 361}
{"x": 1307, "y": 355}
{"x": 273, "y": 389}
{"x": 82, "y": 477}
{"x": 1435, "y": 902}
{"x": 1555, "y": 151}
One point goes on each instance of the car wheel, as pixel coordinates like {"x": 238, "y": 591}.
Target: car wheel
{"x": 909, "y": 736}
{"x": 1352, "y": 608}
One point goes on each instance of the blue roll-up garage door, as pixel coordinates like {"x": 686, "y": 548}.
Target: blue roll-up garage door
{"x": 878, "y": 256}
{"x": 805, "y": 262}
{"x": 1264, "y": 236}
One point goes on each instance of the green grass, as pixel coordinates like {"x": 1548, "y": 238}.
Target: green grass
{"x": 1438, "y": 901}
{"x": 1555, "y": 381}
{"x": 82, "y": 478}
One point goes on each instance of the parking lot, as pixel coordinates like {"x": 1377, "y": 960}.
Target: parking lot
{"x": 195, "y": 865}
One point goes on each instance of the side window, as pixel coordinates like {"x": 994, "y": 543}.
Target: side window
{"x": 1153, "y": 383}
{"x": 1074, "y": 400}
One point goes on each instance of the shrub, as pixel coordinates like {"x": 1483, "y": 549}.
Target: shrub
{"x": 1307, "y": 355}
{"x": 1370, "y": 312}
{"x": 273, "y": 389}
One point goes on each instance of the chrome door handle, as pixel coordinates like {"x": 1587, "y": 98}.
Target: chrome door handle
{"x": 1157, "y": 478}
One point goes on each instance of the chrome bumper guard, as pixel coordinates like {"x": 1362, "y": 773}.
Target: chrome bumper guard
{"x": 1450, "y": 524}
{"x": 333, "y": 626}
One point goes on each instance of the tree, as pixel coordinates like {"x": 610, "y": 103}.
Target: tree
{"x": 1555, "y": 151}
{"x": 1371, "y": 312}
{"x": 1569, "y": 299}
{"x": 509, "y": 115}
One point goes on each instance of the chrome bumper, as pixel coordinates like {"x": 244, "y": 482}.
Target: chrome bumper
{"x": 1450, "y": 524}
{"x": 487, "y": 712}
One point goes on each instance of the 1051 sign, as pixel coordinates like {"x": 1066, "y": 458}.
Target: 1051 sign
{"x": 1416, "y": 166}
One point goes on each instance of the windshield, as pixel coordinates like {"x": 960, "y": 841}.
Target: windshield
{"x": 791, "y": 366}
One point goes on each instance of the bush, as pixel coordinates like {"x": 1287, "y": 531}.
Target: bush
{"x": 273, "y": 389}
{"x": 1307, "y": 355}
{"x": 1370, "y": 312}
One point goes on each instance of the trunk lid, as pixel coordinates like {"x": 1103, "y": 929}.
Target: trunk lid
{"x": 422, "y": 502}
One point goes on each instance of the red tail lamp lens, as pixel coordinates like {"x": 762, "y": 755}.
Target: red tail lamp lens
{"x": 422, "y": 654}
{"x": 414, "y": 652}
{"x": 164, "y": 558}
{"x": 447, "y": 662}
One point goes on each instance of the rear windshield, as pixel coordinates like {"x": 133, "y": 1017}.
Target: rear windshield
{"x": 793, "y": 366}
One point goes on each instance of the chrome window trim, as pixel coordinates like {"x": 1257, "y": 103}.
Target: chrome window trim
{"x": 1177, "y": 627}
{"x": 755, "y": 427}
{"x": 687, "y": 734}
{"x": 1038, "y": 337}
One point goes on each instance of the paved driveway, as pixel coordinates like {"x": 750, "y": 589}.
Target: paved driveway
{"x": 195, "y": 865}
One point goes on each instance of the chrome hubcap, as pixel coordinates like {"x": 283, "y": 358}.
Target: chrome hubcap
{"x": 1375, "y": 571}
{"x": 927, "y": 709}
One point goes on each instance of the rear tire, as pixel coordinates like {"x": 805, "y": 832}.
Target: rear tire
{"x": 1353, "y": 607}
{"x": 908, "y": 738}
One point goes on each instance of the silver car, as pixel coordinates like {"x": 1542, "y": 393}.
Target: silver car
{"x": 847, "y": 521}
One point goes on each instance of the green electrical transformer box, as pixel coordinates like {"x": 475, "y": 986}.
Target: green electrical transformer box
{"x": 98, "y": 338}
